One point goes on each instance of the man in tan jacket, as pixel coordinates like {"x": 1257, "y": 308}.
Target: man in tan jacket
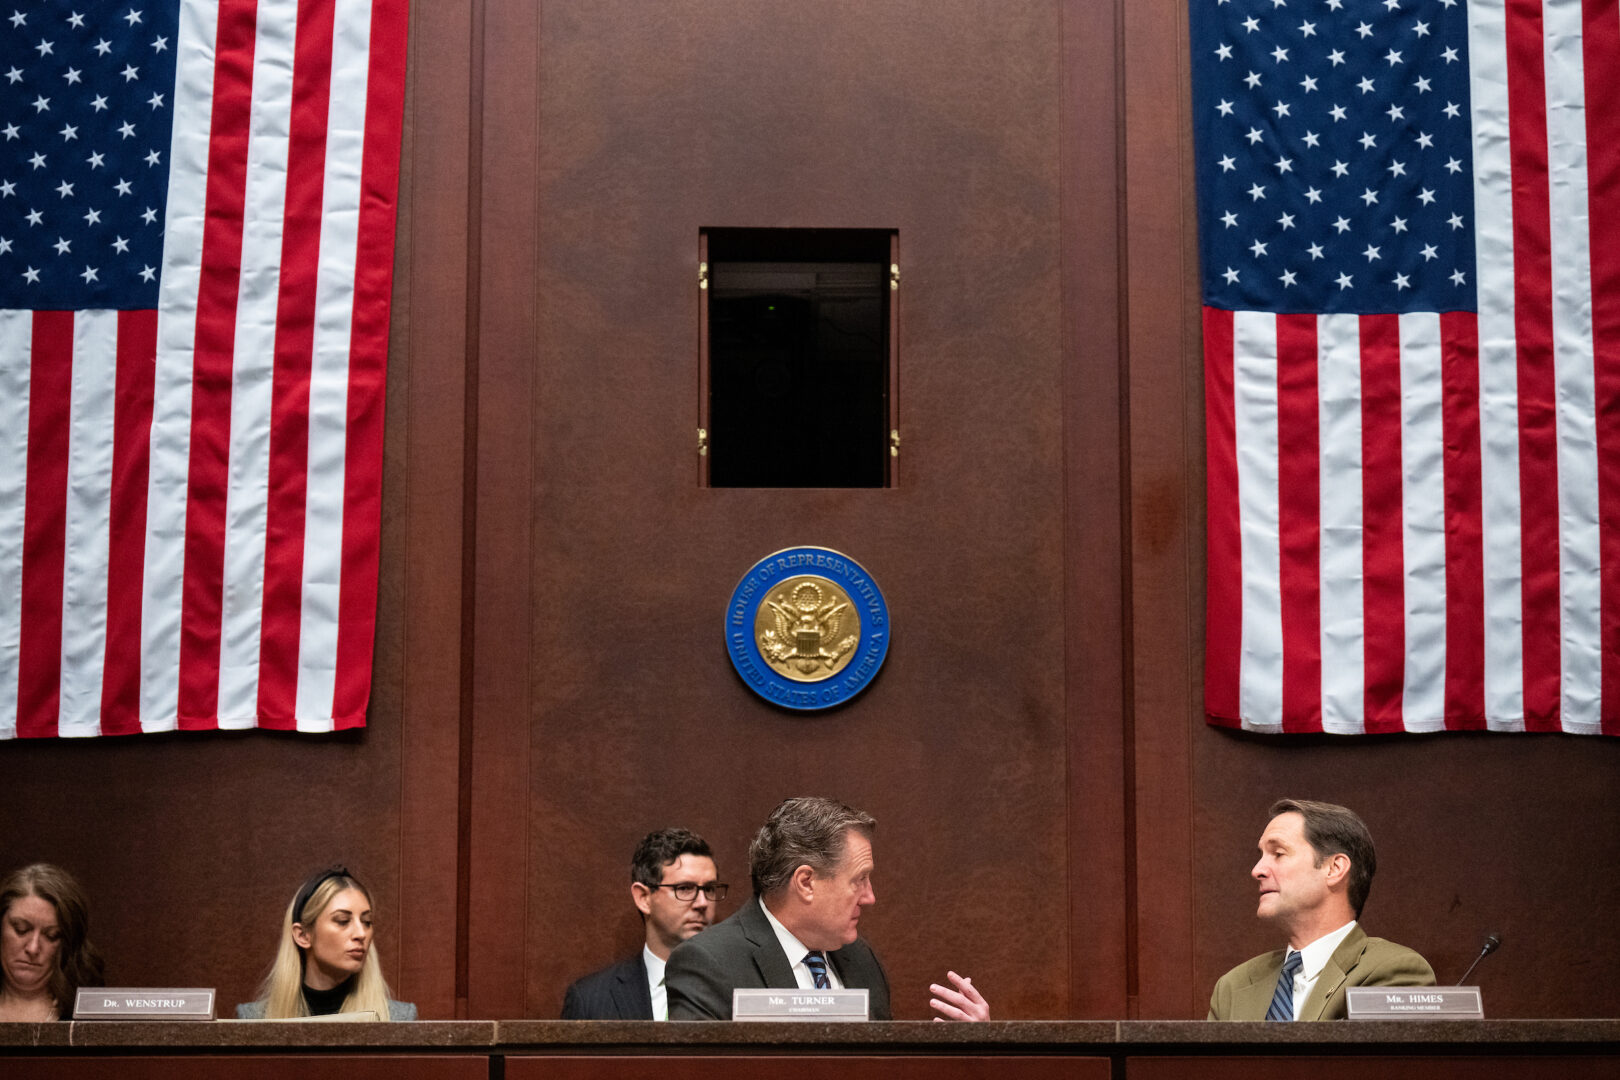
{"x": 1315, "y": 870}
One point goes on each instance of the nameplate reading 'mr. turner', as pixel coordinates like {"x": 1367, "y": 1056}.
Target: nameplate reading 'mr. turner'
{"x": 800, "y": 1004}
{"x": 124, "y": 1003}
{"x": 1414, "y": 1003}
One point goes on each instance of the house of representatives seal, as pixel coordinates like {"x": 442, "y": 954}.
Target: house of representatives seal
{"x": 807, "y": 628}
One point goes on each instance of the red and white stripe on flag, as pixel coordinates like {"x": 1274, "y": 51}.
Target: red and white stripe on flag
{"x": 189, "y": 497}
{"x": 1414, "y": 520}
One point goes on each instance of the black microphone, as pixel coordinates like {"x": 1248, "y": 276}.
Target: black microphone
{"x": 1492, "y": 942}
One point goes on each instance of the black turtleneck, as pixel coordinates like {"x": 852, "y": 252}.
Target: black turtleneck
{"x": 327, "y": 1002}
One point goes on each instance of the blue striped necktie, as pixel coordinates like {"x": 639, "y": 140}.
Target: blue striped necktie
{"x": 817, "y": 964}
{"x": 1282, "y": 998}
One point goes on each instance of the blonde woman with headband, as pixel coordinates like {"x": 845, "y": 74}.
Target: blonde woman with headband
{"x": 327, "y": 962}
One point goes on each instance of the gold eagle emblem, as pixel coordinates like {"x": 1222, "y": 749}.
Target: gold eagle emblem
{"x": 799, "y": 629}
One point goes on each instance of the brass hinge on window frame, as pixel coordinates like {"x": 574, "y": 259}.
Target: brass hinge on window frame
{"x": 703, "y": 275}
{"x": 894, "y": 276}
{"x": 703, "y": 442}
{"x": 894, "y": 442}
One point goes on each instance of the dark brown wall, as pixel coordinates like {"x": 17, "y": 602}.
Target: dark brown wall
{"x": 1475, "y": 833}
{"x": 551, "y": 680}
{"x": 706, "y": 113}
{"x": 191, "y": 845}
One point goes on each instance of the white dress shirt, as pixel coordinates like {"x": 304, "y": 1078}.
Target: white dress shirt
{"x": 796, "y": 952}
{"x": 1313, "y": 958}
{"x": 655, "y": 983}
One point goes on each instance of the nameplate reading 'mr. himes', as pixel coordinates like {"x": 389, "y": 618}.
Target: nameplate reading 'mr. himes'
{"x": 122, "y": 1003}
{"x": 800, "y": 1004}
{"x": 1414, "y": 1003}
{"x": 807, "y": 628}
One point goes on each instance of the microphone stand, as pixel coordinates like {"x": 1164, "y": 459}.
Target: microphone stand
{"x": 1492, "y": 941}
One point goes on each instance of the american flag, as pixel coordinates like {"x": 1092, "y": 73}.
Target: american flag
{"x": 1409, "y": 218}
{"x": 197, "y": 204}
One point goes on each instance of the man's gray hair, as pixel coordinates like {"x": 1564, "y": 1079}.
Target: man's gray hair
{"x": 806, "y": 831}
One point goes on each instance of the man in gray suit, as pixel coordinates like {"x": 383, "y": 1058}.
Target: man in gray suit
{"x": 811, "y": 866}
{"x": 1315, "y": 869}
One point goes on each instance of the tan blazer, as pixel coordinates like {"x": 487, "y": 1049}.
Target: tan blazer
{"x": 1244, "y": 993}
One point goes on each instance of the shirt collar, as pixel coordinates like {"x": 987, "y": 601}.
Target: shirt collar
{"x": 655, "y": 966}
{"x": 1314, "y": 957}
{"x": 792, "y": 946}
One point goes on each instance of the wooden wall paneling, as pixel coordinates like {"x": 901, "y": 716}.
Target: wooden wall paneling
{"x": 424, "y": 493}
{"x": 254, "y": 1067}
{"x": 202, "y": 838}
{"x": 1513, "y": 833}
{"x": 1475, "y": 832}
{"x": 507, "y": 62}
{"x": 1165, "y": 498}
{"x": 1095, "y": 626}
{"x": 939, "y": 120}
{"x": 703, "y": 417}
{"x": 894, "y": 366}
{"x": 1393, "y": 1067}
{"x": 191, "y": 845}
{"x": 803, "y": 1067}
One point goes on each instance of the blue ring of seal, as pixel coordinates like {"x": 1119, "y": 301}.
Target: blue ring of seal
{"x": 743, "y": 646}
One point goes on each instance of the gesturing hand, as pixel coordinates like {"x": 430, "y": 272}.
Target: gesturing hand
{"x": 963, "y": 1003}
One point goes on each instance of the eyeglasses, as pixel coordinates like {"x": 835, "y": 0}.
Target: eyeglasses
{"x": 687, "y": 891}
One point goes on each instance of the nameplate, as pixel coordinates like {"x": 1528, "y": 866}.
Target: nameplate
{"x": 123, "y": 1003}
{"x": 1415, "y": 1003}
{"x": 800, "y": 1004}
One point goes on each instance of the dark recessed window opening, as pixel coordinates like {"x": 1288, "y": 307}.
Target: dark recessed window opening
{"x": 799, "y": 357}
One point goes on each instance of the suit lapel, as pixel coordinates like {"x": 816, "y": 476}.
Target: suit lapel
{"x": 1252, "y": 1002}
{"x": 846, "y": 965}
{"x": 1329, "y": 984}
{"x": 772, "y": 963}
{"x": 631, "y": 994}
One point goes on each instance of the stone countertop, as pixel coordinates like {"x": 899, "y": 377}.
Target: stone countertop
{"x": 257, "y": 1034}
{"x": 1168, "y": 1033}
{"x": 1003, "y": 1036}
{"x": 1014, "y": 1037}
{"x": 1027, "y": 1036}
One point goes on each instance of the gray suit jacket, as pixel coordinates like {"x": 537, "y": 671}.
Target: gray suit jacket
{"x": 742, "y": 953}
{"x": 1244, "y": 993}
{"x": 397, "y": 1010}
{"x": 615, "y": 993}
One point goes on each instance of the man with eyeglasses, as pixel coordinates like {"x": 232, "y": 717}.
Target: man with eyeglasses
{"x": 673, "y": 884}
{"x": 811, "y": 865}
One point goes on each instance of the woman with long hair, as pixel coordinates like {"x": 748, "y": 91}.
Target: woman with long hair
{"x": 327, "y": 962}
{"x": 45, "y": 950}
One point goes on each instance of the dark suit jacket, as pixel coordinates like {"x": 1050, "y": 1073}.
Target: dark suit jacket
{"x": 1244, "y": 993}
{"x": 615, "y": 993}
{"x": 742, "y": 952}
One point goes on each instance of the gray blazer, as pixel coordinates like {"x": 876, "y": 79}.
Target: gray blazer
{"x": 743, "y": 952}
{"x": 397, "y": 1010}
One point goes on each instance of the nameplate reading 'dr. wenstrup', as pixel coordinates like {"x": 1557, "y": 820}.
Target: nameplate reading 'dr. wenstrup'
{"x": 807, "y": 628}
{"x": 123, "y": 1003}
{"x": 800, "y": 1004}
{"x": 1414, "y": 1003}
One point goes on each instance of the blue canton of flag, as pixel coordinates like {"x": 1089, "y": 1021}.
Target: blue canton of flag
{"x": 1334, "y": 166}
{"x": 86, "y": 107}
